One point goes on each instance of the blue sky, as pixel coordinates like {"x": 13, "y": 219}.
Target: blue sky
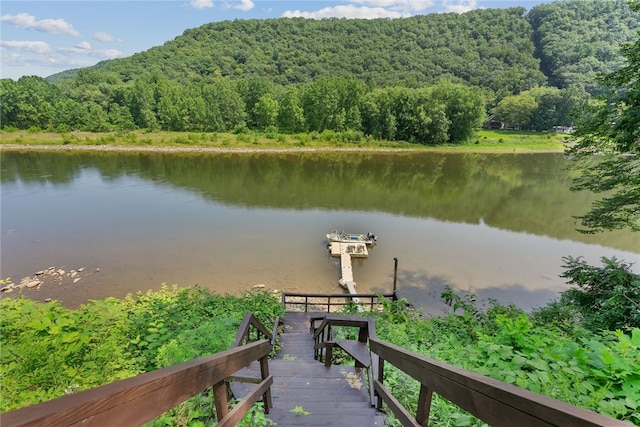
{"x": 45, "y": 37}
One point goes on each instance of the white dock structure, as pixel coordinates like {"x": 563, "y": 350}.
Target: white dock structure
{"x": 346, "y": 251}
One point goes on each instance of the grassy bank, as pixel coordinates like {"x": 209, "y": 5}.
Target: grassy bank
{"x": 483, "y": 140}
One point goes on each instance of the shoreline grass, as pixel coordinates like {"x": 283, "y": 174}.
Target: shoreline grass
{"x": 482, "y": 141}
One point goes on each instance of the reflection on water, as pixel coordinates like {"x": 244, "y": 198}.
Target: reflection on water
{"x": 496, "y": 225}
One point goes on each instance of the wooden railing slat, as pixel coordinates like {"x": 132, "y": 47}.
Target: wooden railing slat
{"x": 396, "y": 407}
{"x": 245, "y": 327}
{"x": 235, "y": 415}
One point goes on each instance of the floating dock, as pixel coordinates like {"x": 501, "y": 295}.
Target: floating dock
{"x": 346, "y": 251}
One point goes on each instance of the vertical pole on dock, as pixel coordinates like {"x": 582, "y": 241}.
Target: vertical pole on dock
{"x": 395, "y": 275}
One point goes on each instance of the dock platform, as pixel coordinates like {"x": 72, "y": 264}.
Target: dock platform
{"x": 346, "y": 251}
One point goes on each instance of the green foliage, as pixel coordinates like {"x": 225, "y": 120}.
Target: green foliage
{"x": 607, "y": 297}
{"x": 600, "y": 372}
{"x": 579, "y": 39}
{"x": 300, "y": 411}
{"x": 256, "y": 417}
{"x": 610, "y": 131}
{"x": 49, "y": 350}
{"x": 491, "y": 48}
{"x": 517, "y": 110}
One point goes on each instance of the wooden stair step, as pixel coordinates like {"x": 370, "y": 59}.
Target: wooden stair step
{"x": 297, "y": 368}
{"x": 285, "y": 418}
{"x": 358, "y": 350}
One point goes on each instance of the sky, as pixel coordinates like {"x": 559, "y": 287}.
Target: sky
{"x": 41, "y": 38}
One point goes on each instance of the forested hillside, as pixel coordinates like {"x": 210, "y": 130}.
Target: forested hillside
{"x": 489, "y": 48}
{"x": 577, "y": 40}
{"x": 428, "y": 79}
{"x": 493, "y": 48}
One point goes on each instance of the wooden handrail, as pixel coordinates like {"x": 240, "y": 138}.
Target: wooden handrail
{"x": 136, "y": 400}
{"x": 243, "y": 334}
{"x": 492, "y": 401}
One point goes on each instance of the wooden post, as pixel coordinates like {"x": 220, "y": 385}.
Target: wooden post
{"x": 264, "y": 372}
{"x": 220, "y": 398}
{"x": 363, "y": 334}
{"x": 424, "y": 405}
{"x": 395, "y": 275}
{"x": 381, "y": 379}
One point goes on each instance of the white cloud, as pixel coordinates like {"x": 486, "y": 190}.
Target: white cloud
{"x": 26, "y": 60}
{"x": 31, "y": 46}
{"x": 85, "y": 49}
{"x": 52, "y": 26}
{"x": 459, "y": 6}
{"x": 347, "y": 11}
{"x": 201, "y": 4}
{"x": 245, "y": 5}
{"x": 105, "y": 37}
{"x": 398, "y": 5}
{"x": 108, "y": 54}
{"x": 14, "y": 59}
{"x": 83, "y": 46}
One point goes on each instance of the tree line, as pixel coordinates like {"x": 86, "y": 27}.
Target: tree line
{"x": 445, "y": 112}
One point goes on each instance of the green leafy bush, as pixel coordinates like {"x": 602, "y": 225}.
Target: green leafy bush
{"x": 49, "y": 350}
{"x": 607, "y": 297}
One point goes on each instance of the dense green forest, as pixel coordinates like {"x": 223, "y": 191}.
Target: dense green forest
{"x": 428, "y": 79}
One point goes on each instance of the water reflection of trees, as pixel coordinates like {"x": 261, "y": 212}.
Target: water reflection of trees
{"x": 524, "y": 192}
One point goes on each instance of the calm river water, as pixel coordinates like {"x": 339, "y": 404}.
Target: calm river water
{"x": 494, "y": 225}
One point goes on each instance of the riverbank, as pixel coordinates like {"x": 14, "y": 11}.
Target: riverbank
{"x": 484, "y": 141}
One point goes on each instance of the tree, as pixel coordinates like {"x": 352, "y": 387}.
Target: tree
{"x": 121, "y": 117}
{"x": 322, "y": 106}
{"x": 517, "y": 109}
{"x": 611, "y": 130}
{"x": 265, "y": 111}
{"x": 142, "y": 103}
{"x": 464, "y": 107}
{"x": 290, "y": 113}
{"x": 251, "y": 91}
{"x": 8, "y": 96}
{"x": 70, "y": 115}
{"x": 28, "y": 102}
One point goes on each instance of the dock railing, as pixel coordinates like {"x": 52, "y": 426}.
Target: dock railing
{"x": 328, "y": 303}
{"x": 139, "y": 399}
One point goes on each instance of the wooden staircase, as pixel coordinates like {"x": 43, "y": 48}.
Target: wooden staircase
{"x": 324, "y": 396}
